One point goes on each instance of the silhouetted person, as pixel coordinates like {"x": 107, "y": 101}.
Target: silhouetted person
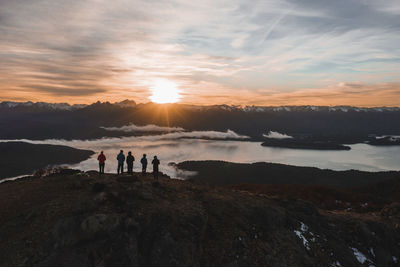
{"x": 144, "y": 164}
{"x": 129, "y": 161}
{"x": 155, "y": 163}
{"x": 121, "y": 159}
{"x": 102, "y": 159}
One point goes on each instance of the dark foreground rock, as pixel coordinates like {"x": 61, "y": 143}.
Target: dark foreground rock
{"x": 84, "y": 219}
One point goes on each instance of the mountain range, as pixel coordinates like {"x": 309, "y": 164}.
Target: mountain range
{"x": 61, "y": 120}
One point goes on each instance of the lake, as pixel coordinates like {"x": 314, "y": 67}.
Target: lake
{"x": 360, "y": 157}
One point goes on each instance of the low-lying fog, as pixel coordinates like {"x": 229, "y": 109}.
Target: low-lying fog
{"x": 172, "y": 148}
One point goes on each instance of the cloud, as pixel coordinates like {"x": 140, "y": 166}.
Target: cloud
{"x": 214, "y": 135}
{"x": 114, "y": 50}
{"x": 229, "y": 134}
{"x": 276, "y": 135}
{"x": 147, "y": 128}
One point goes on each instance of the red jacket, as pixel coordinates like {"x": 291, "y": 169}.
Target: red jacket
{"x": 101, "y": 158}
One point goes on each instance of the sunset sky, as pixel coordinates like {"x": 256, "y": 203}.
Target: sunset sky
{"x": 286, "y": 52}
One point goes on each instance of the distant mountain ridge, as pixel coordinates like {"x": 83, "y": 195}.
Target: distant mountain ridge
{"x": 130, "y": 103}
{"x": 343, "y": 124}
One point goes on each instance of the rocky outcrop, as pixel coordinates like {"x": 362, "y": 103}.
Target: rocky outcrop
{"x": 84, "y": 219}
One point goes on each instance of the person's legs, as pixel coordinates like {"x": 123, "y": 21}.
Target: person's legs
{"x": 99, "y": 167}
{"x": 130, "y": 167}
{"x": 119, "y": 168}
{"x": 143, "y": 170}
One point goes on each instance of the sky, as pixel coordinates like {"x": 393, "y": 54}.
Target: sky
{"x": 286, "y": 52}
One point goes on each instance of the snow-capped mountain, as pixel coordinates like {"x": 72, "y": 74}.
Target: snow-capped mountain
{"x": 319, "y": 108}
{"x": 131, "y": 104}
{"x": 42, "y": 105}
{"x": 61, "y": 120}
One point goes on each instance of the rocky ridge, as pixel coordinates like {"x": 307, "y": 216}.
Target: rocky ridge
{"x": 73, "y": 218}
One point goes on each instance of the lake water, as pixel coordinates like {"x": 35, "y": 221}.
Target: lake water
{"x": 360, "y": 157}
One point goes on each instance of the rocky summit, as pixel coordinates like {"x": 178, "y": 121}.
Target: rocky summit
{"x": 74, "y": 218}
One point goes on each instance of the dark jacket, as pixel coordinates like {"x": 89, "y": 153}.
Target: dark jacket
{"x": 155, "y": 163}
{"x": 130, "y": 159}
{"x": 121, "y": 158}
{"x": 144, "y": 161}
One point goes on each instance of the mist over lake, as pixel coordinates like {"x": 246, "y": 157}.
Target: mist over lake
{"x": 360, "y": 157}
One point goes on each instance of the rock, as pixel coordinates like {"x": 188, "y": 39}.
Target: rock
{"x": 66, "y": 232}
{"x": 145, "y": 195}
{"x": 100, "y": 198}
{"x": 69, "y": 172}
{"x": 178, "y": 223}
{"x": 92, "y": 173}
{"x": 392, "y": 210}
{"x": 98, "y": 187}
{"x": 100, "y": 223}
{"x": 127, "y": 179}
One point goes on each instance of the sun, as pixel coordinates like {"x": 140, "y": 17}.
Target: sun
{"x": 164, "y": 91}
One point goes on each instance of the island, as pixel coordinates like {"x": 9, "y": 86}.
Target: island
{"x": 304, "y": 144}
{"x": 21, "y": 158}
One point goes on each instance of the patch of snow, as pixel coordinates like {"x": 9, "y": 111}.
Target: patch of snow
{"x": 126, "y": 103}
{"x": 276, "y": 135}
{"x": 371, "y": 250}
{"x": 361, "y": 258}
{"x": 302, "y": 237}
{"x": 54, "y": 106}
{"x": 300, "y": 234}
{"x": 336, "y": 264}
{"x": 303, "y": 227}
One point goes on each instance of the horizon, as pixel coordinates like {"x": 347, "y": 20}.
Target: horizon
{"x": 263, "y": 53}
{"x": 202, "y": 105}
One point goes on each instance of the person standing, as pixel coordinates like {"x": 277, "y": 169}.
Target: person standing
{"x": 102, "y": 159}
{"x": 144, "y": 164}
{"x": 129, "y": 162}
{"x": 155, "y": 163}
{"x": 121, "y": 159}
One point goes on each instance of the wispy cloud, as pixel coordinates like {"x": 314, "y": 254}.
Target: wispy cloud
{"x": 81, "y": 51}
{"x": 215, "y": 135}
{"x": 276, "y": 135}
{"x": 131, "y": 128}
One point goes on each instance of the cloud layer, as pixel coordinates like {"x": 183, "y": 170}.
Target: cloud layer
{"x": 276, "y": 135}
{"x": 264, "y": 51}
{"x": 131, "y": 128}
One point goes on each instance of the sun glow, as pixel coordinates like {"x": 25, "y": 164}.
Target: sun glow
{"x": 164, "y": 91}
